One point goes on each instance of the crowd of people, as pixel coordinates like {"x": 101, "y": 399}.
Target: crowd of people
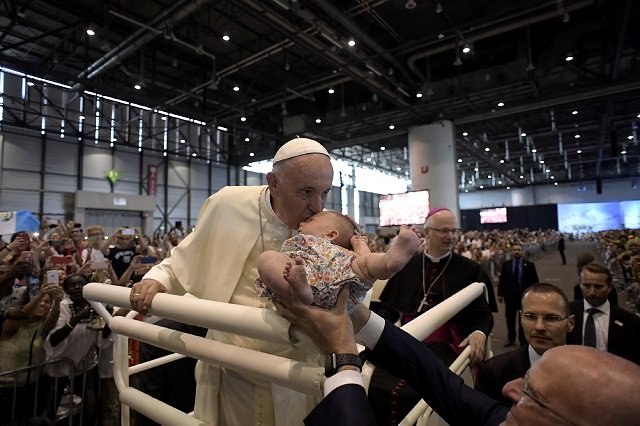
{"x": 50, "y": 336}
{"x": 240, "y": 232}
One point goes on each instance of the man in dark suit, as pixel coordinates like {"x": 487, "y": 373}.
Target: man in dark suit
{"x": 517, "y": 274}
{"x": 546, "y": 319}
{"x": 601, "y": 324}
{"x": 551, "y": 393}
{"x": 561, "y": 248}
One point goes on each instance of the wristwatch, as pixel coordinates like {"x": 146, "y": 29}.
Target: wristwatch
{"x": 335, "y": 361}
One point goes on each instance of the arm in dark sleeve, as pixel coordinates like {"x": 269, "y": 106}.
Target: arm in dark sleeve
{"x": 347, "y": 405}
{"x": 446, "y": 393}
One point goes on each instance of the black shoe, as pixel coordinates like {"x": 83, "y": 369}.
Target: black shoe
{"x": 508, "y": 343}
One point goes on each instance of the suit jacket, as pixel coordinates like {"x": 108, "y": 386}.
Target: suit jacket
{"x": 508, "y": 278}
{"x": 496, "y": 372}
{"x": 624, "y": 331}
{"x": 444, "y": 391}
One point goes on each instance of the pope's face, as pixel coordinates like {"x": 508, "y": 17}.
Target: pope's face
{"x": 300, "y": 188}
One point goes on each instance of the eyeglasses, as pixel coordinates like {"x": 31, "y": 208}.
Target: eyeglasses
{"x": 526, "y": 391}
{"x": 445, "y": 230}
{"x": 547, "y": 319}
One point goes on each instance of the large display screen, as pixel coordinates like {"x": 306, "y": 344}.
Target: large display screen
{"x": 498, "y": 215}
{"x": 409, "y": 208}
{"x": 590, "y": 217}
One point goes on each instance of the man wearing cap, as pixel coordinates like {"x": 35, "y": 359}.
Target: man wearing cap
{"x": 430, "y": 277}
{"x": 218, "y": 261}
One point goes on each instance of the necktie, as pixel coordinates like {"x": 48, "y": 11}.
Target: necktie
{"x": 590, "y": 328}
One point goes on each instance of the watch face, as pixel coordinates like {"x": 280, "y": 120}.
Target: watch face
{"x": 334, "y": 361}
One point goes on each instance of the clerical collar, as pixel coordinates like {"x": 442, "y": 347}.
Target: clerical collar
{"x": 269, "y": 213}
{"x": 436, "y": 259}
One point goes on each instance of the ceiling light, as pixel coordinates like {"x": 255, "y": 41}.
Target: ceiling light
{"x": 466, "y": 47}
{"x": 487, "y": 149}
{"x": 236, "y": 88}
{"x": 30, "y": 83}
{"x": 137, "y": 86}
{"x": 534, "y": 150}
{"x": 419, "y": 95}
{"x": 81, "y": 117}
{"x": 541, "y": 161}
{"x": 351, "y": 43}
{"x": 368, "y": 158}
{"x": 391, "y": 127}
{"x": 577, "y": 136}
{"x": 481, "y": 186}
{"x": 164, "y": 154}
{"x": 90, "y": 32}
{"x": 194, "y": 154}
{"x": 398, "y": 168}
{"x": 521, "y": 177}
{"x": 111, "y": 145}
{"x": 410, "y": 4}
{"x": 251, "y": 154}
{"x": 579, "y": 151}
{"x": 331, "y": 91}
{"x": 247, "y": 139}
{"x": 501, "y": 161}
{"x": 475, "y": 169}
{"x": 499, "y": 182}
{"x": 547, "y": 170}
{"x": 318, "y": 120}
{"x": 163, "y": 118}
{"x": 459, "y": 160}
{"x": 488, "y": 176}
{"x": 382, "y": 148}
{"x": 574, "y": 112}
{"x": 440, "y": 36}
{"x": 638, "y": 116}
{"x": 569, "y": 58}
{"x": 438, "y": 7}
{"x": 623, "y": 152}
{"x": 523, "y": 134}
{"x": 465, "y": 134}
{"x": 243, "y": 118}
{"x": 630, "y": 137}
{"x": 508, "y": 187}
{"x": 466, "y": 190}
{"x": 500, "y": 104}
{"x": 182, "y": 141}
{"x": 226, "y": 37}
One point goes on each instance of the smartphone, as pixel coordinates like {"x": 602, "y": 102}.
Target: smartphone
{"x": 98, "y": 264}
{"x": 128, "y": 231}
{"x": 26, "y": 256}
{"x": 34, "y": 284}
{"x": 53, "y": 277}
{"x": 146, "y": 260}
{"x": 60, "y": 260}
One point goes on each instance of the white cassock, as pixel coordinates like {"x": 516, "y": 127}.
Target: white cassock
{"x": 218, "y": 261}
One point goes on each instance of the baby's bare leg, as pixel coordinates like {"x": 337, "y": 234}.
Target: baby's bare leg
{"x": 296, "y": 276}
{"x": 375, "y": 266}
{"x": 275, "y": 268}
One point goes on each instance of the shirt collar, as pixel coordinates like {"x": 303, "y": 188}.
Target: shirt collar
{"x": 533, "y": 355}
{"x": 604, "y": 308}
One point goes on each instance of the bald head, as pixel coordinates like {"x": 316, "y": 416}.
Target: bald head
{"x": 585, "y": 385}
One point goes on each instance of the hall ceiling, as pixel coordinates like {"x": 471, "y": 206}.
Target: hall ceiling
{"x": 284, "y": 56}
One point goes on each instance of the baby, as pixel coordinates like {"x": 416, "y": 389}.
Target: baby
{"x": 317, "y": 262}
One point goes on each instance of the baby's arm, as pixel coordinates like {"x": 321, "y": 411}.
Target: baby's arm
{"x": 379, "y": 266}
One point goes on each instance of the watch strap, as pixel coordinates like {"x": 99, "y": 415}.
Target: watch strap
{"x": 335, "y": 361}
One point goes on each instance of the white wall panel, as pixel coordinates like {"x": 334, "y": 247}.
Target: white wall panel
{"x": 64, "y": 183}
{"x": 19, "y": 200}
{"x": 21, "y": 152}
{"x": 61, "y": 157}
{"x": 26, "y": 180}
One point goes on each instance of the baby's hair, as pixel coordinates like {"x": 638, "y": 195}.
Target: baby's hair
{"x": 347, "y": 228}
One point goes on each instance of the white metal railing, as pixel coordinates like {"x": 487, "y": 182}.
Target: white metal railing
{"x": 243, "y": 320}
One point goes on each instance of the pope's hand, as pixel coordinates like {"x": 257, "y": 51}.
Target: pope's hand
{"x": 143, "y": 292}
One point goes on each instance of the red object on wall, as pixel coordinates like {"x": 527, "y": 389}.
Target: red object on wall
{"x": 152, "y": 179}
